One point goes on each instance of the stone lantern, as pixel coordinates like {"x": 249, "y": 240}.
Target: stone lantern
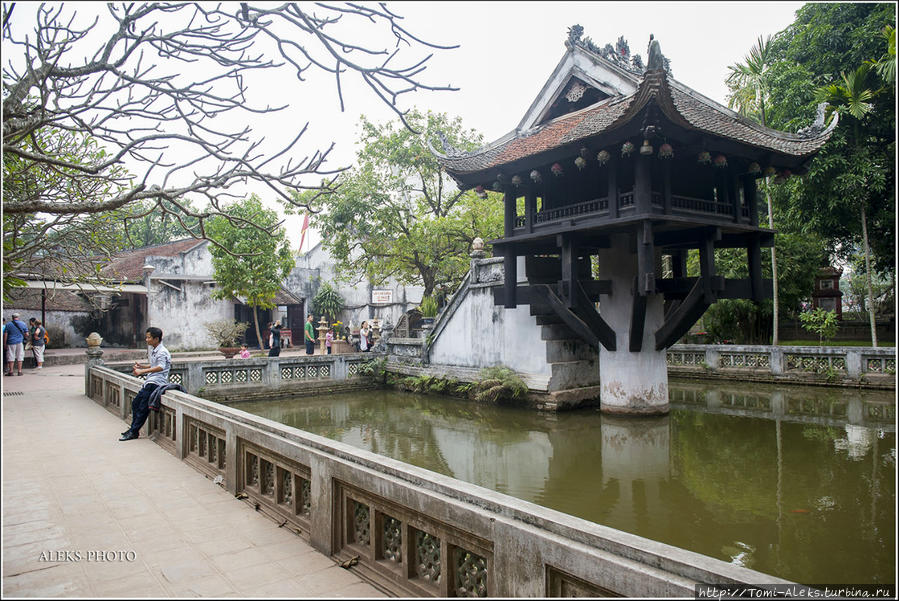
{"x": 322, "y": 329}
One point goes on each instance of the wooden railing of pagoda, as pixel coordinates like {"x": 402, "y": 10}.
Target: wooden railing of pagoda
{"x": 680, "y": 205}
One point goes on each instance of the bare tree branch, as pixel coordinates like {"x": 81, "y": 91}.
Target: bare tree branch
{"x": 122, "y": 79}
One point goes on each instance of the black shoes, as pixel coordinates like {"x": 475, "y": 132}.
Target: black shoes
{"x": 128, "y": 436}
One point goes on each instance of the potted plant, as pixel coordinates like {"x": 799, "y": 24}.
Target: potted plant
{"x": 428, "y": 308}
{"x": 227, "y": 333}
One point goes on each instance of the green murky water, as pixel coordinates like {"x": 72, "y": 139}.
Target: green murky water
{"x": 796, "y": 482}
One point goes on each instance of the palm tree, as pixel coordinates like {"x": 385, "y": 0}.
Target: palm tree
{"x": 852, "y": 95}
{"x": 748, "y": 84}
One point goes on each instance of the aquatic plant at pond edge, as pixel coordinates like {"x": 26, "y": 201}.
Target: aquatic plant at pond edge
{"x": 498, "y": 384}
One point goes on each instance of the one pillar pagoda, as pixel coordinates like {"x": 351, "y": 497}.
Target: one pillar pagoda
{"x": 634, "y": 168}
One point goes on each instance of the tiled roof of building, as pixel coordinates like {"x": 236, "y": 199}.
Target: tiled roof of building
{"x": 680, "y": 104}
{"x": 128, "y": 266}
{"x": 29, "y": 299}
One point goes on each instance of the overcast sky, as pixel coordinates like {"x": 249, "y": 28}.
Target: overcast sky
{"x": 509, "y": 49}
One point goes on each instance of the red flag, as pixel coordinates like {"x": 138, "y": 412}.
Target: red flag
{"x": 303, "y": 230}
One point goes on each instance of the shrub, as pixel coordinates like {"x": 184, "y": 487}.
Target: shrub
{"x": 821, "y": 322}
{"x": 226, "y": 332}
{"x": 428, "y": 307}
{"x": 499, "y": 384}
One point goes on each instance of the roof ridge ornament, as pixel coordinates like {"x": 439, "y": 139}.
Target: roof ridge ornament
{"x": 449, "y": 150}
{"x": 818, "y": 125}
{"x": 656, "y": 60}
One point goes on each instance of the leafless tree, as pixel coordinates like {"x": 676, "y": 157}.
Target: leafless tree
{"x": 162, "y": 88}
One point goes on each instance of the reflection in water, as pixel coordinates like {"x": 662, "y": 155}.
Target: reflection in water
{"x": 795, "y": 482}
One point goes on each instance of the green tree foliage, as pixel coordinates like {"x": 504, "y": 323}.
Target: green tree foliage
{"x": 749, "y": 92}
{"x": 855, "y": 169}
{"x": 746, "y": 322}
{"x": 396, "y": 214}
{"x": 70, "y": 246}
{"x": 251, "y": 263}
{"x": 820, "y": 322}
{"x": 327, "y": 302}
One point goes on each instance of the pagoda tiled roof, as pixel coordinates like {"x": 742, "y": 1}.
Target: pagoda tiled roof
{"x": 680, "y": 104}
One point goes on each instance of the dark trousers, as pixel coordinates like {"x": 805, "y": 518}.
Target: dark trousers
{"x": 310, "y": 347}
{"x": 140, "y": 408}
{"x": 275, "y": 351}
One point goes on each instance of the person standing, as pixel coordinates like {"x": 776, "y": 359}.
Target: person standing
{"x": 157, "y": 372}
{"x": 14, "y": 338}
{"x": 329, "y": 338}
{"x": 275, "y": 349}
{"x": 363, "y": 337}
{"x": 309, "y": 336}
{"x": 38, "y": 342}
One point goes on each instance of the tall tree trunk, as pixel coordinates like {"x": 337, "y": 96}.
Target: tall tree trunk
{"x": 256, "y": 323}
{"x": 869, "y": 278}
{"x": 775, "y": 326}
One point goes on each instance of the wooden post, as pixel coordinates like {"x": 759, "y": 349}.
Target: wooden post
{"x": 646, "y": 283}
{"x": 750, "y": 196}
{"x": 754, "y": 256}
{"x": 731, "y": 184}
{"x": 666, "y": 185}
{"x": 569, "y": 268}
{"x": 530, "y": 208}
{"x": 707, "y": 265}
{"x": 509, "y": 217}
{"x": 679, "y": 263}
{"x": 613, "y": 187}
{"x": 510, "y": 276}
{"x": 642, "y": 185}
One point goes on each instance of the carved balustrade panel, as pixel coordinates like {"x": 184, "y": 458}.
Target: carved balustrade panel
{"x": 303, "y": 371}
{"x": 819, "y": 364}
{"x": 112, "y": 397}
{"x": 688, "y": 358}
{"x": 278, "y": 483}
{"x": 421, "y": 554}
{"x": 878, "y": 365}
{"x": 96, "y": 388}
{"x": 163, "y": 424}
{"x": 205, "y": 447}
{"x": 562, "y": 584}
{"x": 745, "y": 360}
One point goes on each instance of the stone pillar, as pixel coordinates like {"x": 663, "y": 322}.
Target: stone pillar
{"x": 94, "y": 354}
{"x": 322, "y": 330}
{"x": 632, "y": 382}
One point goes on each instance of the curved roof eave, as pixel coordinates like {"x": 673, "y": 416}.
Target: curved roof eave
{"x": 678, "y": 102}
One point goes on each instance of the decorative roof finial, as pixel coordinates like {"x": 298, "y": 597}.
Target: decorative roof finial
{"x": 574, "y": 33}
{"x": 656, "y": 61}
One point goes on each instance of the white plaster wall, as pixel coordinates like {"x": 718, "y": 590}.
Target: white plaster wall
{"x": 482, "y": 334}
{"x": 182, "y": 315}
{"x": 55, "y": 319}
{"x": 198, "y": 261}
{"x": 357, "y": 296}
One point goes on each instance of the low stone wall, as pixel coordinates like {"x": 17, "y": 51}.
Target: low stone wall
{"x": 838, "y": 366}
{"x": 265, "y": 376}
{"x": 414, "y": 533}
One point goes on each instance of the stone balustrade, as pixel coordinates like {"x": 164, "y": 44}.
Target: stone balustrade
{"x": 846, "y": 365}
{"x": 259, "y": 373}
{"x": 413, "y": 532}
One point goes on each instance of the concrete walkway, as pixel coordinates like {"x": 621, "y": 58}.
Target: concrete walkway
{"x": 164, "y": 529}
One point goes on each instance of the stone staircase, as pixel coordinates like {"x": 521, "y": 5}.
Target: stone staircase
{"x": 574, "y": 364}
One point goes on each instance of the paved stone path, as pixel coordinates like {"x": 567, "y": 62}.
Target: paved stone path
{"x": 167, "y": 530}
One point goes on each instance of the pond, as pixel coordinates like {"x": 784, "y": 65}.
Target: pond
{"x": 797, "y": 482}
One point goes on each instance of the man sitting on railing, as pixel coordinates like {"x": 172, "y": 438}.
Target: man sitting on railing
{"x": 157, "y": 372}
